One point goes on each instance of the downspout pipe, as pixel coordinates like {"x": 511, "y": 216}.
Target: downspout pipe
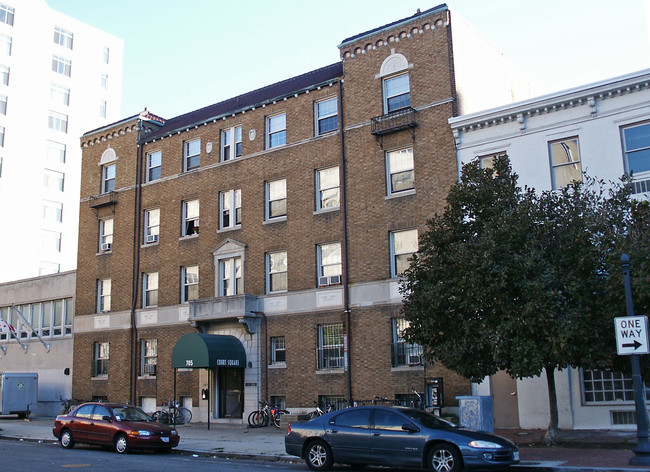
{"x": 136, "y": 264}
{"x": 344, "y": 247}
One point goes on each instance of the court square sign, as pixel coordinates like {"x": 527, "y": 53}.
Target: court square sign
{"x": 632, "y": 335}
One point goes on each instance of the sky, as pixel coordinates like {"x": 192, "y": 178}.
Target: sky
{"x": 181, "y": 56}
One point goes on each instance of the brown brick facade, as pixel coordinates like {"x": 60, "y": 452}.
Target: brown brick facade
{"x": 371, "y": 216}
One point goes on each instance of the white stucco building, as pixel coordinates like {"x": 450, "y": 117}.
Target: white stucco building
{"x": 58, "y": 78}
{"x": 602, "y": 129}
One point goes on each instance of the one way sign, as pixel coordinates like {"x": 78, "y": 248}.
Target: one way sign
{"x": 632, "y": 335}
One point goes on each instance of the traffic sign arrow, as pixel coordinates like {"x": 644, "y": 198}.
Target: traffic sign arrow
{"x": 636, "y": 345}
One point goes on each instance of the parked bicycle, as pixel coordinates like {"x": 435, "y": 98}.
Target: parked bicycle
{"x": 318, "y": 412}
{"x": 174, "y": 414}
{"x": 265, "y": 415}
{"x": 69, "y": 404}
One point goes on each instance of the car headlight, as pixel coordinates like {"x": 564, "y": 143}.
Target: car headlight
{"x": 144, "y": 432}
{"x": 478, "y": 444}
{"x": 174, "y": 432}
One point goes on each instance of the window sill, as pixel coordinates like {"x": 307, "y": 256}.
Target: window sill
{"x": 404, "y": 193}
{"x": 230, "y": 228}
{"x": 146, "y": 377}
{"x": 327, "y": 210}
{"x": 278, "y": 219}
{"x": 188, "y": 237}
{"x": 101, "y": 253}
{"x": 150, "y": 244}
{"x": 340, "y": 370}
{"x": 406, "y": 368}
{"x": 100, "y": 377}
{"x": 279, "y": 365}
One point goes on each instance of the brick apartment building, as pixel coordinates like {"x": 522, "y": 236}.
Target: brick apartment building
{"x": 251, "y": 249}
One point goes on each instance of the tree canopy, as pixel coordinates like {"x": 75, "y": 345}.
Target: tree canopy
{"x": 512, "y": 279}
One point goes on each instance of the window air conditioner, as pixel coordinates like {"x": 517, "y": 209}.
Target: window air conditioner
{"x": 106, "y": 247}
{"x": 152, "y": 238}
{"x": 322, "y": 281}
{"x": 335, "y": 280}
{"x": 415, "y": 360}
{"x": 329, "y": 280}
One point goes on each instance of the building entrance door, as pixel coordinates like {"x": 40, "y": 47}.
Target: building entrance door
{"x": 504, "y": 395}
{"x": 231, "y": 392}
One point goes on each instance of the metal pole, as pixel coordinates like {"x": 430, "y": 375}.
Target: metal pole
{"x": 642, "y": 450}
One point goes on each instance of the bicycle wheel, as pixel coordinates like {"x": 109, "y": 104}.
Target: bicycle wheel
{"x": 164, "y": 417}
{"x": 182, "y": 415}
{"x": 275, "y": 419}
{"x": 256, "y": 419}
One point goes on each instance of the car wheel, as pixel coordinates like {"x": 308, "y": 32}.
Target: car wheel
{"x": 121, "y": 444}
{"x": 319, "y": 455}
{"x": 66, "y": 439}
{"x": 444, "y": 458}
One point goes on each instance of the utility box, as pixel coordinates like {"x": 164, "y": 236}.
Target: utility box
{"x": 476, "y": 412}
{"x": 19, "y": 393}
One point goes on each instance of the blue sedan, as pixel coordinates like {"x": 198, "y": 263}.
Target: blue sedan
{"x": 398, "y": 437}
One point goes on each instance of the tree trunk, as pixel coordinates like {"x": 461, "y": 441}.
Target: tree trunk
{"x": 550, "y": 438}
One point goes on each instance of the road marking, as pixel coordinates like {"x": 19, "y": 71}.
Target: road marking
{"x": 71, "y": 466}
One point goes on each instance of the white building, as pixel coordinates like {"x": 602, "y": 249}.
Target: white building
{"x": 58, "y": 78}
{"x": 602, "y": 129}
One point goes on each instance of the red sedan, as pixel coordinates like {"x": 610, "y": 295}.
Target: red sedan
{"x": 119, "y": 425}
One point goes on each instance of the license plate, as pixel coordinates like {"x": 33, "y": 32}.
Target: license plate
{"x": 515, "y": 455}
{"x": 165, "y": 439}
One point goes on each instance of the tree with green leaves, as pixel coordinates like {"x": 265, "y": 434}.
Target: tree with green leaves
{"x": 512, "y": 279}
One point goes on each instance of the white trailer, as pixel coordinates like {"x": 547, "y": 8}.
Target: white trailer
{"x": 19, "y": 393}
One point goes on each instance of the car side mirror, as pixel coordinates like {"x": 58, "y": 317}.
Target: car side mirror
{"x": 410, "y": 427}
{"x": 106, "y": 418}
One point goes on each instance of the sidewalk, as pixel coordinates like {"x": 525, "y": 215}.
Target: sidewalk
{"x": 578, "y": 451}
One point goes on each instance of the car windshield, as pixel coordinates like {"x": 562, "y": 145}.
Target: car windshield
{"x": 429, "y": 420}
{"x": 129, "y": 413}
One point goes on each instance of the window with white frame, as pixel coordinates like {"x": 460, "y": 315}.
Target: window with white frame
{"x": 154, "y": 163}
{"x": 102, "y": 108}
{"x": 56, "y": 152}
{"x": 103, "y": 295}
{"x": 327, "y": 188}
{"x": 330, "y": 346}
{"x": 230, "y": 277}
{"x": 148, "y": 357}
{"x": 403, "y": 352}
{"x": 278, "y": 350}
{"x": 326, "y": 116}
{"x": 636, "y": 146}
{"x": 276, "y": 272}
{"x": 59, "y": 95}
{"x": 191, "y": 154}
{"x": 62, "y": 66}
{"x": 565, "y": 162}
{"x": 149, "y": 289}
{"x": 53, "y": 180}
{"x": 48, "y": 268}
{"x": 108, "y": 178}
{"x": 397, "y": 93}
{"x": 57, "y": 121}
{"x": 63, "y": 37}
{"x": 105, "y": 54}
{"x": 52, "y": 211}
{"x": 103, "y": 81}
{"x": 399, "y": 171}
{"x": 329, "y": 264}
{"x": 2, "y": 136}
{"x": 151, "y": 226}
{"x": 606, "y": 386}
{"x": 190, "y": 218}
{"x": 403, "y": 244}
{"x": 230, "y": 209}
{"x": 231, "y": 142}
{"x": 189, "y": 283}
{"x": 50, "y": 241}
{"x": 106, "y": 235}
{"x": 3, "y": 104}
{"x": 487, "y": 160}
{"x": 100, "y": 359}
{"x": 6, "y": 43}
{"x": 4, "y": 75}
{"x": 6, "y": 14}
{"x": 276, "y": 130}
{"x": 276, "y": 199}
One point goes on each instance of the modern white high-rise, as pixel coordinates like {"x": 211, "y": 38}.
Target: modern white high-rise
{"x": 59, "y": 78}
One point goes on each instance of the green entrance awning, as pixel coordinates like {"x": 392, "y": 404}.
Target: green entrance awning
{"x": 198, "y": 350}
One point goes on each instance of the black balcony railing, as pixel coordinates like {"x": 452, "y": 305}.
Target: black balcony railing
{"x": 391, "y": 122}
{"x": 108, "y": 198}
{"x": 406, "y": 354}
